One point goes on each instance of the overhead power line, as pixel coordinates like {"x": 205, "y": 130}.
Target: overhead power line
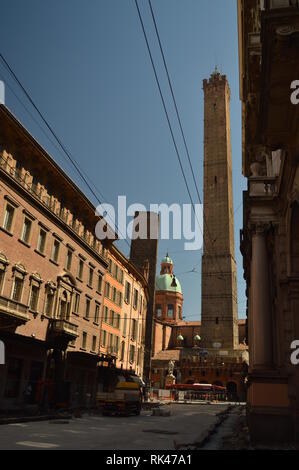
{"x": 58, "y": 140}
{"x": 165, "y": 110}
{"x": 180, "y": 123}
{"x": 179, "y": 120}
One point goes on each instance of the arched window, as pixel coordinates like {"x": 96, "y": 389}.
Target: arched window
{"x": 295, "y": 240}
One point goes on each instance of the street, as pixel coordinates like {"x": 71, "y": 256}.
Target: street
{"x": 144, "y": 432}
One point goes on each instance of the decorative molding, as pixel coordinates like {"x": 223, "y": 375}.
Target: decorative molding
{"x": 20, "y": 268}
{"x": 287, "y": 30}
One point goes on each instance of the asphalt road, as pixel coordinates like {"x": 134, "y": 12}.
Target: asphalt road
{"x": 144, "y": 432}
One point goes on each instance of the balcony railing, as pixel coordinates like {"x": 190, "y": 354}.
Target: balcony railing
{"x": 14, "y": 309}
{"x": 276, "y": 4}
{"x": 112, "y": 351}
{"x": 64, "y": 327}
{"x": 262, "y": 186}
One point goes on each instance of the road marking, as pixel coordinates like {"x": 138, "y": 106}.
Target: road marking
{"x": 19, "y": 425}
{"x": 40, "y": 445}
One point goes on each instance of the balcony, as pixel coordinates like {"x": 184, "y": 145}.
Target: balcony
{"x": 12, "y": 310}
{"x": 278, "y": 113}
{"x": 64, "y": 327}
{"x": 112, "y": 351}
{"x": 262, "y": 186}
{"x": 277, "y": 4}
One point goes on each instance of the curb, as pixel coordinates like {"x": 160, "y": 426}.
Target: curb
{"x": 206, "y": 435}
{"x": 31, "y": 419}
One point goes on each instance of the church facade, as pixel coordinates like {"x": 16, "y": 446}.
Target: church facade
{"x": 181, "y": 342}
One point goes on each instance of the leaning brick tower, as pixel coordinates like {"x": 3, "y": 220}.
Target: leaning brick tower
{"x": 219, "y": 280}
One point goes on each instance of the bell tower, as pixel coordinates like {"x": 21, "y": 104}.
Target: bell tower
{"x": 219, "y": 281}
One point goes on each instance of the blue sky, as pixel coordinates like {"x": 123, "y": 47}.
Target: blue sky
{"x": 86, "y": 66}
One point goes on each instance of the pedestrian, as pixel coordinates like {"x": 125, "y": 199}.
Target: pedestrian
{"x": 27, "y": 393}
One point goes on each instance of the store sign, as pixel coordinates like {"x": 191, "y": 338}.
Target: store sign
{"x": 223, "y": 353}
{"x": 2, "y": 353}
{"x": 217, "y": 345}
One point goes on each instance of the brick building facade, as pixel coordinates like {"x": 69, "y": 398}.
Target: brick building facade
{"x": 63, "y": 304}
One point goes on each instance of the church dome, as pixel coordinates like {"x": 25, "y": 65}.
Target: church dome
{"x": 168, "y": 282}
{"x": 167, "y": 260}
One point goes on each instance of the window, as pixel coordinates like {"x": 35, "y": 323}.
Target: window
{"x": 158, "y": 311}
{"x": 110, "y": 340}
{"x": 33, "y": 303}
{"x": 104, "y": 338}
{"x": 2, "y": 274}
{"x": 18, "y": 170}
{"x": 116, "y": 271}
{"x": 121, "y": 276}
{"x": 114, "y": 292}
{"x": 117, "y": 321}
{"x": 41, "y": 244}
{"x": 170, "y": 311}
{"x": 132, "y": 353}
{"x": 94, "y": 344}
{"x": 62, "y": 212}
{"x": 112, "y": 318}
{"x": 34, "y": 185}
{"x": 128, "y": 292}
{"x": 135, "y": 304}
{"x": 49, "y": 303}
{"x": 26, "y": 230}
{"x": 97, "y": 313}
{"x": 87, "y": 308}
{"x": 84, "y": 340}
{"x": 17, "y": 289}
{"x": 110, "y": 266}
{"x": 116, "y": 346}
{"x": 8, "y": 218}
{"x": 179, "y": 312}
{"x": 134, "y": 330}
{"x": 90, "y": 277}
{"x": 122, "y": 351}
{"x": 217, "y": 320}
{"x": 106, "y": 314}
{"x": 63, "y": 311}
{"x": 69, "y": 258}
{"x": 76, "y": 303}
{"x": 55, "y": 251}
{"x": 120, "y": 299}
{"x": 80, "y": 269}
{"x": 107, "y": 290}
{"x": 100, "y": 282}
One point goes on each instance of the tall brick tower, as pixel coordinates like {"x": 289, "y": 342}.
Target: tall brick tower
{"x": 144, "y": 253}
{"x": 219, "y": 280}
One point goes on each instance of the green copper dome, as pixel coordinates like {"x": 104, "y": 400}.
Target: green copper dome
{"x": 168, "y": 282}
{"x": 167, "y": 260}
